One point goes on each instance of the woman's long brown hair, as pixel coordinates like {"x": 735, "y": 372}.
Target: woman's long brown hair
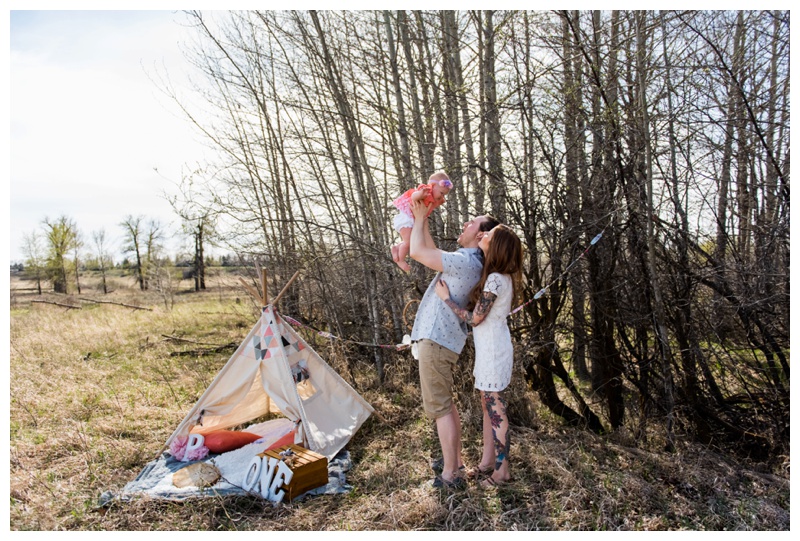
{"x": 505, "y": 257}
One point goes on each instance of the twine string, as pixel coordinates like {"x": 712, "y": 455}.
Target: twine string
{"x": 403, "y": 346}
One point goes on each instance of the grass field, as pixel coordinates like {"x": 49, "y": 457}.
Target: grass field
{"x": 95, "y": 392}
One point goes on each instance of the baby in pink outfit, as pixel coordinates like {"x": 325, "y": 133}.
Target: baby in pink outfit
{"x": 433, "y": 194}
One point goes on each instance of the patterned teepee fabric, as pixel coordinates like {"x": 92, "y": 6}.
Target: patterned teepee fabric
{"x": 274, "y": 369}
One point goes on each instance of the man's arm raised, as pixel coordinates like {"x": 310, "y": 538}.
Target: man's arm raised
{"x": 426, "y": 234}
{"x": 422, "y": 247}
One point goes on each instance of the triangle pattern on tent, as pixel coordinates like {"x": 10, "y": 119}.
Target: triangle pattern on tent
{"x": 257, "y": 349}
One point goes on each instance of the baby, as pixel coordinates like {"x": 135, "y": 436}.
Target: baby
{"x": 433, "y": 192}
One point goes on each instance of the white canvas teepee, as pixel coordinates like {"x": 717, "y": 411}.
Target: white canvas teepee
{"x": 274, "y": 369}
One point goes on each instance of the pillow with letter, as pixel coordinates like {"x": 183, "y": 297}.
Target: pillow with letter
{"x": 222, "y": 441}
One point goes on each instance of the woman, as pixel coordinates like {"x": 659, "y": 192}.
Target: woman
{"x": 494, "y": 352}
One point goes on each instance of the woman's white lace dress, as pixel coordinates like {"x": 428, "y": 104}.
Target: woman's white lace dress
{"x": 494, "y": 353}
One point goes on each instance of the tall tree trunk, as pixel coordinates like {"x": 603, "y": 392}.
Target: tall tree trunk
{"x": 199, "y": 258}
{"x": 659, "y": 316}
{"x": 450, "y": 83}
{"x": 416, "y": 113}
{"x": 722, "y": 315}
{"x": 743, "y": 148}
{"x": 402, "y": 130}
{"x": 497, "y": 189}
{"x": 572, "y": 159}
{"x": 77, "y": 273}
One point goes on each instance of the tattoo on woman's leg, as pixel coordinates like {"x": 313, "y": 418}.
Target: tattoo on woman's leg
{"x": 496, "y": 414}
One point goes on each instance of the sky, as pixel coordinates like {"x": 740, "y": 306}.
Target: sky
{"x": 92, "y": 136}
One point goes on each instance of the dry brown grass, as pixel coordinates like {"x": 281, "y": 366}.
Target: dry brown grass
{"x": 95, "y": 393}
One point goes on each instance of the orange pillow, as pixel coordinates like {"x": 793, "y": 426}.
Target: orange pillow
{"x": 222, "y": 441}
{"x": 288, "y": 439}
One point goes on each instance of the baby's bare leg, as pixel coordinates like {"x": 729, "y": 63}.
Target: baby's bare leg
{"x": 402, "y": 252}
{"x": 402, "y": 249}
{"x": 405, "y": 238}
{"x": 405, "y": 234}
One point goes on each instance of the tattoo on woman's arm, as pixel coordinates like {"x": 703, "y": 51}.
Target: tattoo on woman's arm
{"x": 481, "y": 309}
{"x": 460, "y": 312}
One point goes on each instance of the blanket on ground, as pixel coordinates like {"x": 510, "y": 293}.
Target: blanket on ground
{"x": 155, "y": 480}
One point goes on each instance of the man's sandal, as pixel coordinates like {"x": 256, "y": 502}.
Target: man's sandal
{"x": 438, "y": 466}
{"x": 458, "y": 483}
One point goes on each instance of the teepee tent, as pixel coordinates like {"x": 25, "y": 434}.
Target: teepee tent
{"x": 275, "y": 370}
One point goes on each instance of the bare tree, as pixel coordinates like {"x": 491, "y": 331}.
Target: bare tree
{"x": 143, "y": 240}
{"x": 133, "y": 239}
{"x": 35, "y": 257}
{"x": 101, "y": 252}
{"x": 76, "y": 263}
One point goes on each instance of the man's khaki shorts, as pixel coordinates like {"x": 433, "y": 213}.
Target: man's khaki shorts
{"x": 436, "y": 365}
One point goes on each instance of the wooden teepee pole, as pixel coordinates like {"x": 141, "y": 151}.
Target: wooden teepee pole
{"x": 285, "y": 288}
{"x": 260, "y": 297}
{"x": 250, "y": 289}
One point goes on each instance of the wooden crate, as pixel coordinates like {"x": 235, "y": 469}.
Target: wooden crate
{"x": 309, "y": 470}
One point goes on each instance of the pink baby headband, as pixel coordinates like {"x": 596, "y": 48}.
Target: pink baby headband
{"x": 445, "y": 183}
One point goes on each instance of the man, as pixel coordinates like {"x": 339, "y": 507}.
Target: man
{"x": 440, "y": 334}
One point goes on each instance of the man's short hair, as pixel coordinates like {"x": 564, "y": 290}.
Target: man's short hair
{"x": 489, "y": 223}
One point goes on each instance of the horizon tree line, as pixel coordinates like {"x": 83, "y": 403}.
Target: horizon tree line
{"x": 57, "y": 253}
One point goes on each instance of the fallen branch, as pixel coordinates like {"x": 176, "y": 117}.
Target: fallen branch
{"x": 178, "y": 339}
{"x": 117, "y": 303}
{"x": 209, "y": 351}
{"x": 57, "y": 304}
